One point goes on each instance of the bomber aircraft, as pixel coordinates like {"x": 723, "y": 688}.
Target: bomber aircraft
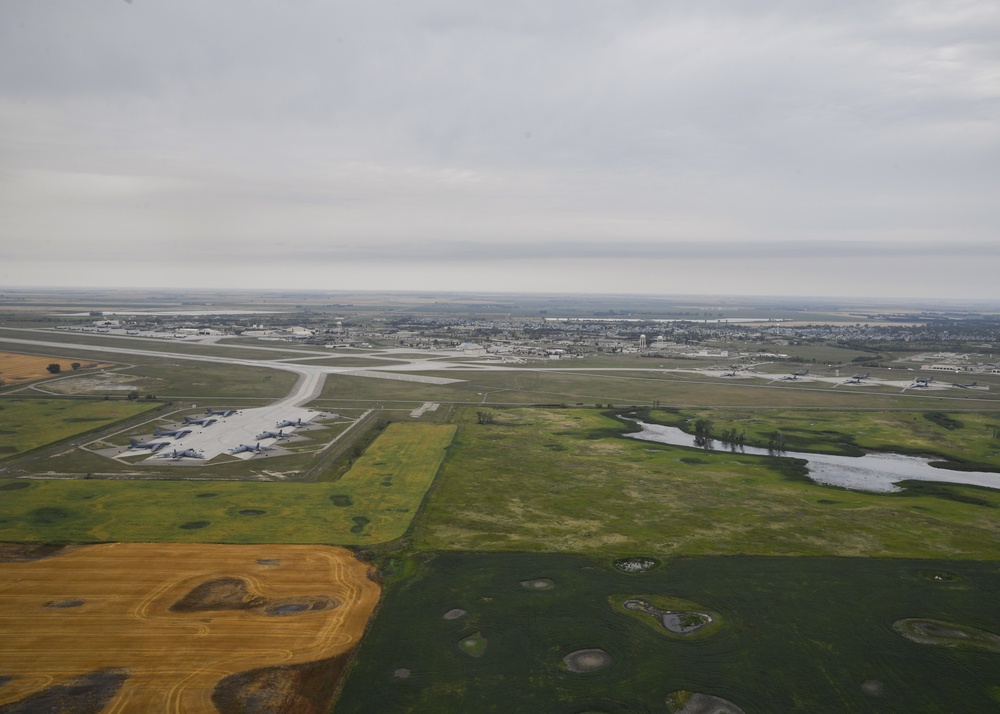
{"x": 185, "y": 454}
{"x": 220, "y": 412}
{"x": 153, "y": 446}
{"x": 922, "y": 382}
{"x": 246, "y": 447}
{"x": 273, "y": 435}
{"x": 859, "y": 377}
{"x": 177, "y": 434}
{"x": 289, "y": 422}
{"x": 965, "y": 386}
{"x": 200, "y": 422}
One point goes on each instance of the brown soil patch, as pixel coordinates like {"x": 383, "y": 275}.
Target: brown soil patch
{"x": 21, "y": 553}
{"x": 294, "y": 689}
{"x": 234, "y": 594}
{"x": 19, "y": 368}
{"x": 87, "y": 694}
{"x": 176, "y": 659}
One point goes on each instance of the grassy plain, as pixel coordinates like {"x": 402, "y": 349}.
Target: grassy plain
{"x": 562, "y": 480}
{"x": 109, "y": 607}
{"x": 374, "y": 502}
{"x": 27, "y": 424}
{"x": 798, "y": 635}
{"x": 592, "y": 386}
{"x": 958, "y": 436}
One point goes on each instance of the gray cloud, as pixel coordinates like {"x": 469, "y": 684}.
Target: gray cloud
{"x": 446, "y": 132}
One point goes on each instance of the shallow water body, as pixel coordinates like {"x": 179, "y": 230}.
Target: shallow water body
{"x": 871, "y": 472}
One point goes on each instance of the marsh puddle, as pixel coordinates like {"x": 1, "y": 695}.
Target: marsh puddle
{"x": 871, "y": 472}
{"x": 675, "y": 621}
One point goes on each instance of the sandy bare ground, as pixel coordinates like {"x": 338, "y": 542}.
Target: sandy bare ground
{"x": 121, "y": 618}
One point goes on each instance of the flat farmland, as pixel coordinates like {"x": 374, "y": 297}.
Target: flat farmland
{"x": 26, "y": 424}
{"x": 150, "y": 627}
{"x": 16, "y": 368}
{"x": 374, "y": 502}
{"x": 385, "y": 486}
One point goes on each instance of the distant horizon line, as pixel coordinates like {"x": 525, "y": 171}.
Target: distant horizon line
{"x": 223, "y": 291}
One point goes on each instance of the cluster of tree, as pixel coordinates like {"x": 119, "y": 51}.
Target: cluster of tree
{"x": 733, "y": 438}
{"x": 484, "y": 418}
{"x": 776, "y": 441}
{"x": 703, "y": 432}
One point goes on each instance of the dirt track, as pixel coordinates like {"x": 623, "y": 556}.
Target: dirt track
{"x": 174, "y": 659}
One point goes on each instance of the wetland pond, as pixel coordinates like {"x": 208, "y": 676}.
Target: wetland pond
{"x": 877, "y": 472}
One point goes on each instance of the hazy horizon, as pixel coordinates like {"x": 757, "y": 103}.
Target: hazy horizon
{"x": 845, "y": 150}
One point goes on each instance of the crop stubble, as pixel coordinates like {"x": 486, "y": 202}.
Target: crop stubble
{"x": 174, "y": 659}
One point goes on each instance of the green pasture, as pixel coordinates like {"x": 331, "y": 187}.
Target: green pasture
{"x": 373, "y": 503}
{"x": 592, "y": 386}
{"x": 811, "y": 635}
{"x": 960, "y": 437}
{"x": 181, "y": 379}
{"x": 565, "y": 480}
{"x": 27, "y": 424}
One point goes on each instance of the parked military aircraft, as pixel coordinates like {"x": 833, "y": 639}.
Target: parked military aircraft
{"x": 289, "y": 422}
{"x": 220, "y": 412}
{"x": 185, "y": 454}
{"x": 801, "y": 373}
{"x": 922, "y": 382}
{"x": 273, "y": 435}
{"x": 246, "y": 447}
{"x": 730, "y": 374}
{"x": 965, "y": 386}
{"x": 153, "y": 446}
{"x": 177, "y": 434}
{"x": 200, "y": 422}
{"x": 859, "y": 377}
{"x": 854, "y": 380}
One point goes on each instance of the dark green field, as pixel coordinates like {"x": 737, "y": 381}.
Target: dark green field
{"x": 799, "y": 635}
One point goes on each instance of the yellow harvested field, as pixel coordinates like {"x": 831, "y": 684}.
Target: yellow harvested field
{"x": 109, "y": 607}
{"x": 18, "y": 368}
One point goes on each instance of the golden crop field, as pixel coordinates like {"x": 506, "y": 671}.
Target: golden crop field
{"x": 18, "y": 368}
{"x": 114, "y": 608}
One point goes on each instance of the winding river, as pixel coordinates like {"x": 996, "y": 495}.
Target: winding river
{"x": 872, "y": 472}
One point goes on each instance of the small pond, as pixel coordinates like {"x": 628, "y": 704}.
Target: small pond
{"x": 871, "y": 472}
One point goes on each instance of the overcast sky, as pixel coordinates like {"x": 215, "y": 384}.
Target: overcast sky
{"x": 773, "y": 147}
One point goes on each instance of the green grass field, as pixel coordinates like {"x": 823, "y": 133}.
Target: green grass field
{"x": 373, "y": 503}
{"x": 563, "y": 480}
{"x": 958, "y": 436}
{"x": 586, "y": 387}
{"x": 811, "y": 635}
{"x": 27, "y": 424}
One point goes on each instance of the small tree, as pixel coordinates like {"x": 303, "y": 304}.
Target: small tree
{"x": 484, "y": 417}
{"x": 75, "y": 366}
{"x": 54, "y": 368}
{"x": 703, "y": 432}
